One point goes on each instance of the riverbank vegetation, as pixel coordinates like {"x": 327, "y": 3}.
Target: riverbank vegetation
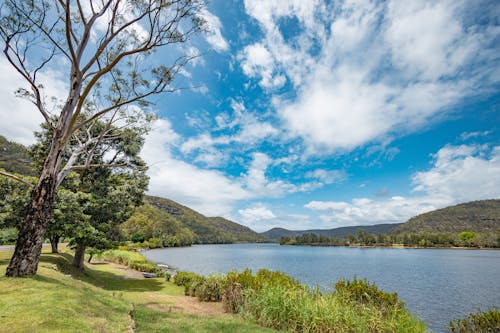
{"x": 275, "y": 300}
{"x": 487, "y": 322}
{"x": 420, "y": 239}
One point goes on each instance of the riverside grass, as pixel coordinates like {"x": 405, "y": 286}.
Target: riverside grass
{"x": 275, "y": 300}
{"x": 98, "y": 300}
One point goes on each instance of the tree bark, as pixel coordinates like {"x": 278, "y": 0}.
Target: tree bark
{"x": 79, "y": 257}
{"x": 29, "y": 243}
{"x": 54, "y": 242}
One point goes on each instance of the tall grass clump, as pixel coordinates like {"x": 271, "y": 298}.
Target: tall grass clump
{"x": 133, "y": 260}
{"x": 483, "y": 322}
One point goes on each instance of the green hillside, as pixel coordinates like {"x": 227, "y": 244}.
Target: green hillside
{"x": 14, "y": 157}
{"x": 476, "y": 216}
{"x": 163, "y": 216}
{"x": 277, "y": 233}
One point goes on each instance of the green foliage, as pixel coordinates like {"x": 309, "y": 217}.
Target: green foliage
{"x": 360, "y": 291}
{"x": 15, "y": 158}
{"x": 476, "y": 216}
{"x": 133, "y": 260}
{"x": 481, "y": 322}
{"x": 8, "y": 236}
{"x": 184, "y": 278}
{"x": 211, "y": 289}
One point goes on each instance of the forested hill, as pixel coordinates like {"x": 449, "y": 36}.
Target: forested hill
{"x": 476, "y": 216}
{"x": 167, "y": 216}
{"x": 14, "y": 157}
{"x": 277, "y": 233}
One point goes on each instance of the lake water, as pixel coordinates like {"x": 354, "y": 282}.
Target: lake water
{"x": 437, "y": 285}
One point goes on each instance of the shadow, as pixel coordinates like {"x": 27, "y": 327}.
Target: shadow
{"x": 99, "y": 278}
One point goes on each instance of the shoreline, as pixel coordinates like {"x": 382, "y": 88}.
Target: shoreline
{"x": 398, "y": 247}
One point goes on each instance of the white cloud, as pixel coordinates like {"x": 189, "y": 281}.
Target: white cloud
{"x": 470, "y": 135}
{"x": 207, "y": 191}
{"x": 256, "y": 213}
{"x": 459, "y": 174}
{"x": 367, "y": 71}
{"x": 20, "y": 118}
{"x": 327, "y": 176}
{"x": 214, "y": 35}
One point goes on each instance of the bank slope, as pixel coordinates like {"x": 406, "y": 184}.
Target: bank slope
{"x": 475, "y": 216}
{"x": 169, "y": 215}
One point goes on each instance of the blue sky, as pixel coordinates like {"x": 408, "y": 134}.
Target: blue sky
{"x": 322, "y": 114}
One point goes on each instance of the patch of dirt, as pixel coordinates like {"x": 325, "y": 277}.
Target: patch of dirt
{"x": 190, "y": 305}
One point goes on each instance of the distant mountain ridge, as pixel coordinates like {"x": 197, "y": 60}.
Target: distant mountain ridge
{"x": 277, "y": 233}
{"x": 14, "y": 157}
{"x": 476, "y": 216}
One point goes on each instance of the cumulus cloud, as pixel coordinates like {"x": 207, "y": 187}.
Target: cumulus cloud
{"x": 366, "y": 71}
{"x": 259, "y": 217}
{"x": 209, "y": 191}
{"x": 459, "y": 174}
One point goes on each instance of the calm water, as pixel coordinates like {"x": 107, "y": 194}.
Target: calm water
{"x": 436, "y": 285}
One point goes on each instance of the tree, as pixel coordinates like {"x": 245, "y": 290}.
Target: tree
{"x": 101, "y": 46}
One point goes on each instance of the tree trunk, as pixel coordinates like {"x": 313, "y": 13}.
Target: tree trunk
{"x": 54, "y": 242}
{"x": 79, "y": 257}
{"x": 30, "y": 240}
{"x": 90, "y": 257}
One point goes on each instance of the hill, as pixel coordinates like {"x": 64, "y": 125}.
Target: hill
{"x": 277, "y": 233}
{"x": 14, "y": 157}
{"x": 476, "y": 216}
{"x": 160, "y": 215}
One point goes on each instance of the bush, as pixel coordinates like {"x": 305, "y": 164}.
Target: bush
{"x": 232, "y": 297}
{"x": 210, "y": 289}
{"x": 133, "y": 260}
{"x": 168, "y": 276}
{"x": 482, "y": 322}
{"x": 8, "y": 236}
{"x": 183, "y": 278}
{"x": 360, "y": 291}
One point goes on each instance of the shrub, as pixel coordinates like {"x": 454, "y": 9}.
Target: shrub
{"x": 482, "y": 322}
{"x": 192, "y": 286}
{"x": 133, "y": 260}
{"x": 8, "y": 235}
{"x": 155, "y": 243}
{"x": 183, "y": 278}
{"x": 168, "y": 276}
{"x": 360, "y": 291}
{"x": 210, "y": 289}
{"x": 232, "y": 297}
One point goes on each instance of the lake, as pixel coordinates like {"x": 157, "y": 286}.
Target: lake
{"x": 436, "y": 284}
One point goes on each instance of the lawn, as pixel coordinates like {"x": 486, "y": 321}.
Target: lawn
{"x": 60, "y": 299}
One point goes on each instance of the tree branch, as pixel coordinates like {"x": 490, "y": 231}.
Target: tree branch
{"x": 19, "y": 179}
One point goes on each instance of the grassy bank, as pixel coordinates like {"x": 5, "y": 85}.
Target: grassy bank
{"x": 275, "y": 300}
{"x": 60, "y": 299}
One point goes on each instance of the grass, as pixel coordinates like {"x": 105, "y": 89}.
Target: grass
{"x": 98, "y": 300}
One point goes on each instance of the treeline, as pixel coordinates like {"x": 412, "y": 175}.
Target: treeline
{"x": 422, "y": 239}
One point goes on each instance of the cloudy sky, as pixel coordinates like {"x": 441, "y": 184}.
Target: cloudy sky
{"x": 322, "y": 114}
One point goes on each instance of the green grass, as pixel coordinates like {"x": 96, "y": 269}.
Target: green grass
{"x": 98, "y": 300}
{"x": 150, "y": 321}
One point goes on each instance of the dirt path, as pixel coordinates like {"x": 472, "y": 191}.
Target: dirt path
{"x": 190, "y": 305}
{"x": 169, "y": 303}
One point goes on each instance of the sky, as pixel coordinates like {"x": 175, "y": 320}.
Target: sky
{"x": 322, "y": 114}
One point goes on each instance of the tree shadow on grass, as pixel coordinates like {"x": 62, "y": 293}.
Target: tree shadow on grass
{"x": 102, "y": 279}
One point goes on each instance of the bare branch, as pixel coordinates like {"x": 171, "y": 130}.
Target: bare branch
{"x": 19, "y": 179}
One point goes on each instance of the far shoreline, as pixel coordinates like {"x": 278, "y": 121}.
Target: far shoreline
{"x": 398, "y": 247}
